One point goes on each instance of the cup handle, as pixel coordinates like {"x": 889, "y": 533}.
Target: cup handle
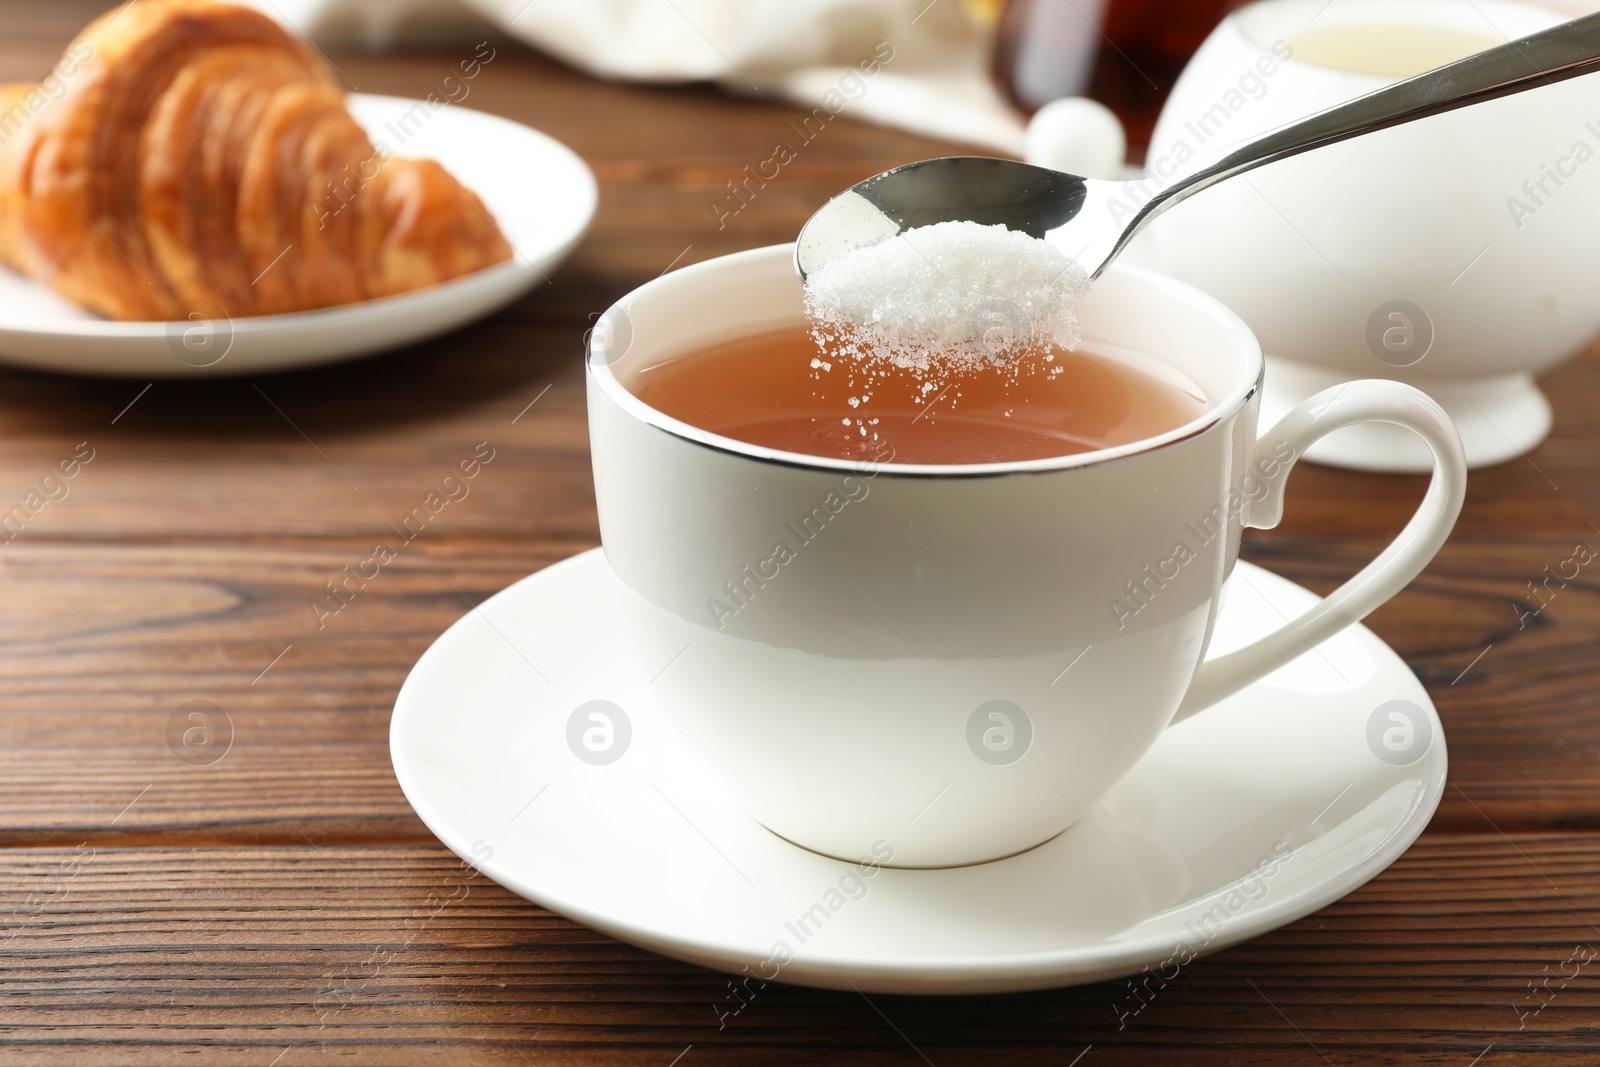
{"x": 1333, "y": 409}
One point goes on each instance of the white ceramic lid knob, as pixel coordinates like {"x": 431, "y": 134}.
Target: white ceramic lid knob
{"x": 1079, "y": 136}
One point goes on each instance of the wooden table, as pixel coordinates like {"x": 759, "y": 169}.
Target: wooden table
{"x": 272, "y": 907}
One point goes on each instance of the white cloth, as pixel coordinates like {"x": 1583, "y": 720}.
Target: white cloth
{"x": 806, "y": 51}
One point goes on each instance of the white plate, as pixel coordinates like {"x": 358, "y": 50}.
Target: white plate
{"x": 539, "y": 191}
{"x": 1248, "y": 816}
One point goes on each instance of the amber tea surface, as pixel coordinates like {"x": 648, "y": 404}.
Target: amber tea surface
{"x": 763, "y": 389}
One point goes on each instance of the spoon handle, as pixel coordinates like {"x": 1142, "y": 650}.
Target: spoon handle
{"x": 1561, "y": 52}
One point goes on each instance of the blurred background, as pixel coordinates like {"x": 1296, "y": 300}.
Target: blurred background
{"x": 969, "y": 70}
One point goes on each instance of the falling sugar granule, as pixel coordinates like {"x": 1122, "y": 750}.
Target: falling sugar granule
{"x": 945, "y": 301}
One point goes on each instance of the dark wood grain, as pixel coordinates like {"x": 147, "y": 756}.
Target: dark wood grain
{"x": 89, "y": 695}
{"x": 396, "y": 955}
{"x": 275, "y": 904}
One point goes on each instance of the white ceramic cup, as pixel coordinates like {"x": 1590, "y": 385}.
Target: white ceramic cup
{"x": 1428, "y": 253}
{"x": 954, "y": 661}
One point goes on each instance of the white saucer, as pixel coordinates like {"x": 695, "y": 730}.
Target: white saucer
{"x": 539, "y": 192}
{"x": 1244, "y": 818}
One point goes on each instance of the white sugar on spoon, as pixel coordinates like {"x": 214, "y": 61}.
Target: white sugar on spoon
{"x": 947, "y": 300}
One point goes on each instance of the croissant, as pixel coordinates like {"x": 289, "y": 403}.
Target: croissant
{"x": 190, "y": 153}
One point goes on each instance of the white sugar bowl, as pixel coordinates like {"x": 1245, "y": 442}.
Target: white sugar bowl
{"x": 1460, "y": 254}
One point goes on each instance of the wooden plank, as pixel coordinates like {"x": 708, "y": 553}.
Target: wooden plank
{"x": 102, "y": 644}
{"x": 398, "y": 955}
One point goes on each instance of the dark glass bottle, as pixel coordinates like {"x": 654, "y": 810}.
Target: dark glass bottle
{"x": 1127, "y": 54}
